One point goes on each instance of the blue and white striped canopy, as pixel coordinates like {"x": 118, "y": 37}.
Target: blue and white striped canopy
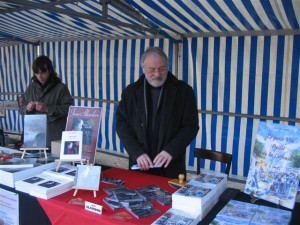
{"x": 36, "y": 21}
{"x": 241, "y": 57}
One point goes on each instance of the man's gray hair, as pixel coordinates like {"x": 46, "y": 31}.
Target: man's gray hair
{"x": 153, "y": 50}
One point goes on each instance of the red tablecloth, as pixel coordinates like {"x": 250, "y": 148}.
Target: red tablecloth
{"x": 60, "y": 212}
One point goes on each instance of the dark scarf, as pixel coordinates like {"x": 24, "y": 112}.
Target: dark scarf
{"x": 153, "y": 99}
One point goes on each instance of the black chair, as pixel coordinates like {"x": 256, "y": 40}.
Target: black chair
{"x": 213, "y": 155}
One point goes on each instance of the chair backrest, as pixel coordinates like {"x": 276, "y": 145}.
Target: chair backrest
{"x": 213, "y": 155}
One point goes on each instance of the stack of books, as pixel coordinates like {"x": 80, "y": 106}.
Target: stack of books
{"x": 175, "y": 216}
{"x": 13, "y": 168}
{"x": 200, "y": 194}
{"x": 193, "y": 201}
{"x": 237, "y": 212}
{"x": 49, "y": 183}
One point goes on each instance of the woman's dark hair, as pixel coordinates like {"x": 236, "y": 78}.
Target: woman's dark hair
{"x": 43, "y": 64}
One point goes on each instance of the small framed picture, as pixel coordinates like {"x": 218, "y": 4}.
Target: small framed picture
{"x": 71, "y": 145}
{"x": 2, "y": 108}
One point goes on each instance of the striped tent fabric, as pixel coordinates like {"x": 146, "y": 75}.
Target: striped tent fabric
{"x": 241, "y": 58}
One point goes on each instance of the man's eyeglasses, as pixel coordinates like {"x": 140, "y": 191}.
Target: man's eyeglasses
{"x": 153, "y": 70}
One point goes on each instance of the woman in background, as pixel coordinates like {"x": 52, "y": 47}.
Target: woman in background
{"x": 46, "y": 94}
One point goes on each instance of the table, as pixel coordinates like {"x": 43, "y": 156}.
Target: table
{"x": 62, "y": 213}
{"x": 57, "y": 211}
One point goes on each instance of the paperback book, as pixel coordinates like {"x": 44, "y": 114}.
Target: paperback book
{"x": 274, "y": 170}
{"x": 242, "y": 213}
{"x": 44, "y": 185}
{"x": 87, "y": 120}
{"x": 71, "y": 145}
{"x": 65, "y": 171}
{"x": 177, "y": 217}
{"x": 35, "y": 131}
{"x": 12, "y": 173}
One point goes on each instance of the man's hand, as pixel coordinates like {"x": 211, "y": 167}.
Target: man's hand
{"x": 162, "y": 159}
{"x": 30, "y": 106}
{"x": 39, "y": 106}
{"x": 144, "y": 162}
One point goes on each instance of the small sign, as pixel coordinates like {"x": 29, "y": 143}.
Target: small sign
{"x": 93, "y": 207}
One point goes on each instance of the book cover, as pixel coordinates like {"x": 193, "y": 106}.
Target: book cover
{"x": 44, "y": 186}
{"x": 86, "y": 119}
{"x": 35, "y": 131}
{"x": 275, "y": 164}
{"x": 237, "y": 210}
{"x": 265, "y": 215}
{"x": 87, "y": 177}
{"x": 176, "y": 217}
{"x": 71, "y": 145}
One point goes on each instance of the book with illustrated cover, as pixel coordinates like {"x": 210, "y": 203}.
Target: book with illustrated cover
{"x": 87, "y": 120}
{"x": 44, "y": 186}
{"x": 211, "y": 179}
{"x": 9, "y": 174}
{"x": 87, "y": 177}
{"x": 195, "y": 197}
{"x": 275, "y": 164}
{"x": 71, "y": 145}
{"x": 242, "y": 211}
{"x": 265, "y": 215}
{"x": 64, "y": 171}
{"x": 35, "y": 131}
{"x": 177, "y": 217}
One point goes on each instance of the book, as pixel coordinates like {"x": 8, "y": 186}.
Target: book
{"x": 44, "y": 186}
{"x": 87, "y": 120}
{"x": 8, "y": 176}
{"x": 87, "y": 177}
{"x": 71, "y": 145}
{"x": 274, "y": 171}
{"x": 66, "y": 171}
{"x": 15, "y": 163}
{"x": 238, "y": 210}
{"x": 35, "y": 131}
{"x": 240, "y": 213}
{"x": 177, "y": 217}
{"x": 265, "y": 215}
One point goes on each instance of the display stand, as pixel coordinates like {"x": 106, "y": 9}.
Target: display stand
{"x": 90, "y": 189}
{"x": 33, "y": 149}
{"x": 71, "y": 161}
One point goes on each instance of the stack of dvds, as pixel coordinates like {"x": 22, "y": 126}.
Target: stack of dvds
{"x": 138, "y": 201}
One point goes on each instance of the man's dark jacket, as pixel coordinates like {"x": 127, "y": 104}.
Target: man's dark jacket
{"x": 179, "y": 122}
